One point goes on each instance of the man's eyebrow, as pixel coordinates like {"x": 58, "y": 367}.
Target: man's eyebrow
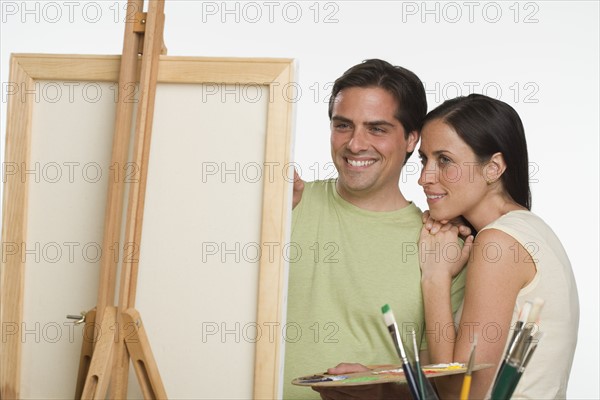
{"x": 339, "y": 118}
{"x": 380, "y": 122}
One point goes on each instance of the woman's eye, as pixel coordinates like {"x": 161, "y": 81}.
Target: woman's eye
{"x": 444, "y": 160}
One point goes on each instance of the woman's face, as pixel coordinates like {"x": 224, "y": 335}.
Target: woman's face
{"x": 452, "y": 177}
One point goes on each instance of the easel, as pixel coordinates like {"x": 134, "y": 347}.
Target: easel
{"x": 121, "y": 334}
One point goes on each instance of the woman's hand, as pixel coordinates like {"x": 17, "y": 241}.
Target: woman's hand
{"x": 440, "y": 252}
{"x": 434, "y": 226}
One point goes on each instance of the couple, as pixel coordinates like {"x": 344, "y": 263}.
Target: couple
{"x": 359, "y": 238}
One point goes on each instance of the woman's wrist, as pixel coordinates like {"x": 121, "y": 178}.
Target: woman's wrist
{"x": 436, "y": 279}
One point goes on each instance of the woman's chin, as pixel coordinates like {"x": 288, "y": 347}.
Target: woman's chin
{"x": 440, "y": 216}
{"x": 436, "y": 214}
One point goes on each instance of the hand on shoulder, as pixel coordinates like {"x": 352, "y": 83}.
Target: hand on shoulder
{"x": 434, "y": 226}
{"x": 440, "y": 252}
{"x": 298, "y": 189}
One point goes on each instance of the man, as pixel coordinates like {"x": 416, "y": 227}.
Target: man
{"x": 356, "y": 236}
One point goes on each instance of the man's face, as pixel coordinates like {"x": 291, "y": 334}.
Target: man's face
{"x": 368, "y": 144}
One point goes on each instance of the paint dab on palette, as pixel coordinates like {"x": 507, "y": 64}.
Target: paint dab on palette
{"x": 381, "y": 374}
{"x": 321, "y": 378}
{"x": 361, "y": 379}
{"x": 399, "y": 371}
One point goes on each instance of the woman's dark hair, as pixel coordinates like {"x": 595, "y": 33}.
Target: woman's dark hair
{"x": 406, "y": 88}
{"x": 491, "y": 126}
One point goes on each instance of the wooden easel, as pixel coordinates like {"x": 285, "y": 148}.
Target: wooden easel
{"x": 119, "y": 333}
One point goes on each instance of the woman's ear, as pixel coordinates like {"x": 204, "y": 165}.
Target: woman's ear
{"x": 494, "y": 168}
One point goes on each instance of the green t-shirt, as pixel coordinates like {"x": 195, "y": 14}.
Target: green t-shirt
{"x": 345, "y": 263}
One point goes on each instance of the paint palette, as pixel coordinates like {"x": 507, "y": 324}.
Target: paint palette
{"x": 382, "y": 374}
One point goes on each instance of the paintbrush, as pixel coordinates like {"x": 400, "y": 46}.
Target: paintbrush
{"x": 511, "y": 374}
{"x": 513, "y": 368}
{"x": 523, "y": 341}
{"x": 466, "y": 386}
{"x": 535, "y": 340}
{"x": 426, "y": 391}
{"x": 505, "y": 384}
{"x": 390, "y": 321}
{"x": 523, "y": 315}
{"x": 418, "y": 371}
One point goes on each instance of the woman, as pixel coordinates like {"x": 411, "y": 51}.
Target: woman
{"x": 475, "y": 165}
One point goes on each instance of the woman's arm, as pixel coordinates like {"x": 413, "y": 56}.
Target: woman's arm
{"x": 495, "y": 275}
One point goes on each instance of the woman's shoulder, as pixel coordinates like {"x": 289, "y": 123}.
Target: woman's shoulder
{"x": 509, "y": 231}
{"x": 499, "y": 257}
{"x": 517, "y": 219}
{"x": 493, "y": 237}
{"x": 524, "y": 226}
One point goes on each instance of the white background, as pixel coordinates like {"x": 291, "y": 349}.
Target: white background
{"x": 540, "y": 57}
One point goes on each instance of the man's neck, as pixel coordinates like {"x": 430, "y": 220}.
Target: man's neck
{"x": 375, "y": 201}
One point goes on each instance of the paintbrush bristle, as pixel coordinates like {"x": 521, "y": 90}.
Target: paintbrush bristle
{"x": 525, "y": 310}
{"x": 415, "y": 347}
{"x": 388, "y": 315}
{"x": 536, "y": 309}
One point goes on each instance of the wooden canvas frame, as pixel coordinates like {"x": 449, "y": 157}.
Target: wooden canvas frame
{"x": 27, "y": 69}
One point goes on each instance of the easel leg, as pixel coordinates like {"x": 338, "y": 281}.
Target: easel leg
{"x": 141, "y": 355}
{"x": 151, "y": 29}
{"x": 87, "y": 350}
{"x": 153, "y": 42}
{"x": 116, "y": 189}
{"x": 98, "y": 377}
